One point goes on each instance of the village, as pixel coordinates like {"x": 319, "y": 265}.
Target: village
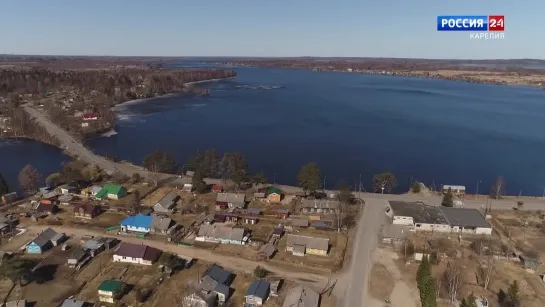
{"x": 139, "y": 244}
{"x": 100, "y": 230}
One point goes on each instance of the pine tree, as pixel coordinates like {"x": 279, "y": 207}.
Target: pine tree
{"x": 513, "y": 294}
{"x": 463, "y": 303}
{"x": 426, "y": 284}
{"x": 4, "y": 188}
{"x": 470, "y": 302}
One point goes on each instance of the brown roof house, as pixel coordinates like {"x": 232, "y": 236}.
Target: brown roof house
{"x": 136, "y": 253}
{"x": 47, "y": 207}
{"x": 86, "y": 210}
{"x": 301, "y": 245}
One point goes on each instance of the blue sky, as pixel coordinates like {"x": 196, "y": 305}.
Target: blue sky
{"x": 358, "y": 28}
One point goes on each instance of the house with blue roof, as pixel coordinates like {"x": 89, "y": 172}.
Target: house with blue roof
{"x": 137, "y": 223}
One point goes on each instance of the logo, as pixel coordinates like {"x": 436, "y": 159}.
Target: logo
{"x": 486, "y": 26}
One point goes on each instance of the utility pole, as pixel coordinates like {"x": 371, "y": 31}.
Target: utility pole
{"x": 323, "y": 188}
{"x": 477, "y": 189}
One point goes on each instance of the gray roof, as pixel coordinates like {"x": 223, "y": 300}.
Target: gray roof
{"x": 50, "y": 195}
{"x": 267, "y": 249}
{"x": 65, "y": 198}
{"x": 465, "y": 217}
{"x": 77, "y": 254}
{"x": 233, "y": 198}
{"x": 299, "y": 222}
{"x": 398, "y": 232}
{"x": 219, "y": 274}
{"x": 72, "y": 303}
{"x": 309, "y": 242}
{"x": 209, "y": 284}
{"x": 259, "y": 288}
{"x": 45, "y": 237}
{"x": 167, "y": 201}
{"x": 321, "y": 203}
{"x": 162, "y": 223}
{"x": 259, "y": 195}
{"x": 94, "y": 244}
{"x": 3, "y": 225}
{"x": 420, "y": 212}
{"x": 301, "y": 296}
{"x": 221, "y": 232}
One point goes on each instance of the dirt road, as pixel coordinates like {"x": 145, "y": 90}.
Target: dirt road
{"x": 357, "y": 275}
{"x": 234, "y": 263}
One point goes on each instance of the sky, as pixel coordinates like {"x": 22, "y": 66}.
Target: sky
{"x": 279, "y": 28}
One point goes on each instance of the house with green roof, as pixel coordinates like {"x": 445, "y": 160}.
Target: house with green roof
{"x": 112, "y": 191}
{"x": 274, "y": 195}
{"x": 110, "y": 291}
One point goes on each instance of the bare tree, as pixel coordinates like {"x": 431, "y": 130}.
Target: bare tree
{"x": 498, "y": 188}
{"x": 453, "y": 279}
{"x": 486, "y": 267}
{"x": 28, "y": 178}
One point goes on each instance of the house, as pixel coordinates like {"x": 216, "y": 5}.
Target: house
{"x": 299, "y": 223}
{"x": 217, "y": 188}
{"x": 57, "y": 239}
{"x": 231, "y": 217}
{"x": 266, "y": 251}
{"x": 311, "y": 245}
{"x": 167, "y": 203}
{"x": 418, "y": 215}
{"x": 221, "y": 234}
{"x": 110, "y": 291}
{"x": 161, "y": 225}
{"x": 75, "y": 257}
{"x": 257, "y": 293}
{"x": 217, "y": 280}
{"x": 282, "y": 213}
{"x": 112, "y": 191}
{"x": 249, "y": 219}
{"x": 19, "y": 303}
{"x": 90, "y": 116}
{"x": 65, "y": 199}
{"x": 221, "y": 206}
{"x": 232, "y": 200}
{"x": 528, "y": 262}
{"x": 137, "y": 223}
{"x": 42, "y": 242}
{"x": 200, "y": 299}
{"x": 274, "y": 195}
{"x": 47, "y": 207}
{"x": 394, "y": 233}
{"x": 92, "y": 190}
{"x": 458, "y": 190}
{"x": 67, "y": 189}
{"x": 301, "y": 296}
{"x": 300, "y": 195}
{"x": 466, "y": 220}
{"x": 73, "y": 303}
{"x": 320, "y": 206}
{"x": 9, "y": 198}
{"x": 136, "y": 253}
{"x": 86, "y": 210}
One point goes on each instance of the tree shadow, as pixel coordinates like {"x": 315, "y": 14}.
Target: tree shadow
{"x": 44, "y": 273}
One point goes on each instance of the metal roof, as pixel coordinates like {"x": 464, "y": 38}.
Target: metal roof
{"x": 465, "y": 217}
{"x": 168, "y": 200}
{"x": 259, "y": 288}
{"x": 137, "y": 251}
{"x": 72, "y": 303}
{"x": 162, "y": 223}
{"x": 231, "y": 198}
{"x": 219, "y": 274}
{"x": 454, "y": 187}
{"x": 44, "y": 237}
{"x": 142, "y": 221}
{"x": 420, "y": 212}
{"x": 321, "y": 204}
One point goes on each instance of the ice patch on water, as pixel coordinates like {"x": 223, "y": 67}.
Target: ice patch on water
{"x": 259, "y": 87}
{"x": 130, "y": 117}
{"x": 109, "y": 133}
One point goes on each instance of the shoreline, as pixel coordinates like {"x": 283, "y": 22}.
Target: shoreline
{"x": 433, "y": 75}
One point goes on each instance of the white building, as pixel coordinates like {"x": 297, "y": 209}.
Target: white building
{"x": 136, "y": 254}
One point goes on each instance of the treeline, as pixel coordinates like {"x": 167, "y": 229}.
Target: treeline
{"x": 117, "y": 84}
{"x": 22, "y": 126}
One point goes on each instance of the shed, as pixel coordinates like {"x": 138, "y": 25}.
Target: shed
{"x": 267, "y": 251}
{"x": 19, "y": 303}
{"x": 258, "y": 292}
{"x": 57, "y": 239}
{"x": 299, "y": 223}
{"x": 75, "y": 257}
{"x": 302, "y": 296}
{"x": 73, "y": 303}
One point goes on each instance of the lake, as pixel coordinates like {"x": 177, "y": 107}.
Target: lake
{"x": 435, "y": 131}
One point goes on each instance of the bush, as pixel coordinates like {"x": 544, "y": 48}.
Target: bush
{"x": 416, "y": 187}
{"x": 260, "y": 272}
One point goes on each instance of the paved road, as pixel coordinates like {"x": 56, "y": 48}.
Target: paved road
{"x": 365, "y": 242}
